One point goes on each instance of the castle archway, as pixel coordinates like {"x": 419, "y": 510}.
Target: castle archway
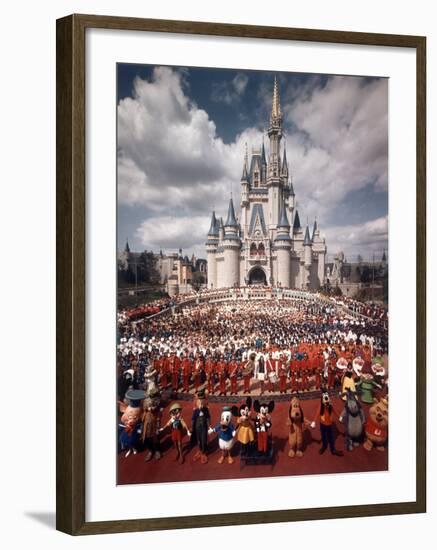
{"x": 257, "y": 276}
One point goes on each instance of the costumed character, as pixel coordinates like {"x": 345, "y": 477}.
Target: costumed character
{"x": 353, "y": 420}
{"x": 178, "y": 429}
{"x": 295, "y": 422}
{"x": 200, "y": 422}
{"x": 263, "y": 423}
{"x": 130, "y": 421}
{"x": 376, "y": 426}
{"x": 367, "y": 387}
{"x": 151, "y": 424}
{"x": 379, "y": 374}
{"x": 357, "y": 366}
{"x": 347, "y": 381}
{"x": 325, "y": 416}
{"x": 150, "y": 376}
{"x": 226, "y": 433}
{"x": 245, "y": 428}
{"x": 125, "y": 382}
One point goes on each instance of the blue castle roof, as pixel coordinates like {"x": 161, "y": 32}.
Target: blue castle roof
{"x": 231, "y": 220}
{"x": 213, "y": 229}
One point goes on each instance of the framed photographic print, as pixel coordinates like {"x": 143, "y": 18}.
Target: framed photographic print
{"x": 240, "y": 274}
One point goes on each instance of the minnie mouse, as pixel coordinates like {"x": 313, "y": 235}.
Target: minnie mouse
{"x": 245, "y": 431}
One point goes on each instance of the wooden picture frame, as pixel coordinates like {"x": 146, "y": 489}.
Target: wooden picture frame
{"x": 71, "y": 253}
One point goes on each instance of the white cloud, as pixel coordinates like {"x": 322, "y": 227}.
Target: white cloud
{"x": 341, "y": 141}
{"x": 366, "y": 239}
{"x": 230, "y": 91}
{"x": 170, "y": 233}
{"x": 173, "y": 164}
{"x": 170, "y": 156}
{"x": 240, "y": 82}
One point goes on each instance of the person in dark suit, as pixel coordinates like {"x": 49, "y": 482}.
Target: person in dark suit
{"x": 200, "y": 422}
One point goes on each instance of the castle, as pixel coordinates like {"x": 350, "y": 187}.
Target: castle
{"x": 268, "y": 244}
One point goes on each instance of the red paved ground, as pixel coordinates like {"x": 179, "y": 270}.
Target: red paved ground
{"x": 135, "y": 470}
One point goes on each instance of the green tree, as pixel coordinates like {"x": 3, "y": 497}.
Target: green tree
{"x": 147, "y": 270}
{"x": 198, "y": 279}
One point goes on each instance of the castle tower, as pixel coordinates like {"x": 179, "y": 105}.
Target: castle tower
{"x": 245, "y": 194}
{"x": 211, "y": 251}
{"x": 307, "y": 258}
{"x": 282, "y": 248}
{"x": 263, "y": 246}
{"x": 319, "y": 249}
{"x": 274, "y": 165}
{"x": 231, "y": 250}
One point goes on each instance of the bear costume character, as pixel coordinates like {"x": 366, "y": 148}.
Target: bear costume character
{"x": 376, "y": 426}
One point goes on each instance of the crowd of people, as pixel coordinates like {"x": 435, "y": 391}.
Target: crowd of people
{"x": 141, "y": 311}
{"x": 369, "y": 309}
{"x": 273, "y": 345}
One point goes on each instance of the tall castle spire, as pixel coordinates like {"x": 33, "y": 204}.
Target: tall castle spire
{"x": 276, "y": 104}
{"x": 275, "y": 134}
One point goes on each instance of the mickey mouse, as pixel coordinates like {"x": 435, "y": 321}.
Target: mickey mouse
{"x": 263, "y": 423}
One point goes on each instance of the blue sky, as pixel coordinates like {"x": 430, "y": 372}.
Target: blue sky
{"x": 181, "y": 139}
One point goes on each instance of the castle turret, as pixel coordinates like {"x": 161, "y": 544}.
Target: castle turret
{"x": 307, "y": 243}
{"x": 283, "y": 247}
{"x": 284, "y": 168}
{"x": 211, "y": 251}
{"x": 263, "y": 164}
{"x": 307, "y": 258}
{"x": 231, "y": 250}
{"x": 319, "y": 250}
{"x": 221, "y": 229}
{"x": 296, "y": 224}
{"x": 291, "y": 195}
{"x": 316, "y": 232}
{"x": 245, "y": 182}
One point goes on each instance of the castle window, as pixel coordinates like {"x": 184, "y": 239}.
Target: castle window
{"x": 253, "y": 249}
{"x": 256, "y": 179}
{"x": 261, "y": 249}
